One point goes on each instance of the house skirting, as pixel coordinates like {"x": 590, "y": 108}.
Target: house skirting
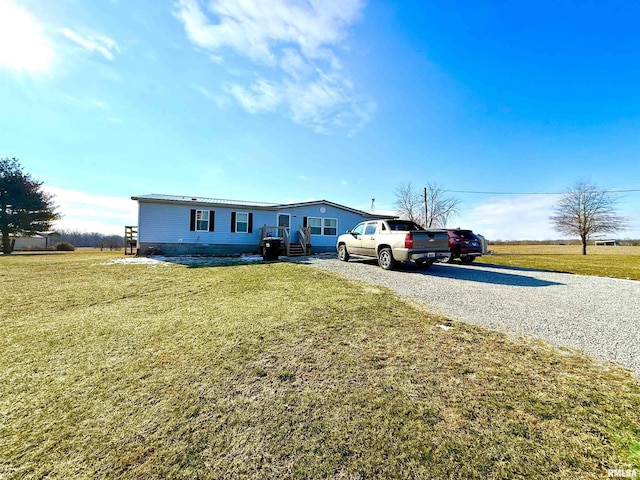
{"x": 220, "y": 250}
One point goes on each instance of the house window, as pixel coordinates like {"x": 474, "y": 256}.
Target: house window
{"x": 242, "y": 222}
{"x": 202, "y": 220}
{"x": 330, "y": 226}
{"x": 322, "y": 226}
{"x": 315, "y": 225}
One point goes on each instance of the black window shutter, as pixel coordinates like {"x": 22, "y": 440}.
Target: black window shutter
{"x": 250, "y": 227}
{"x": 304, "y": 222}
{"x": 192, "y": 226}
{"x": 233, "y": 222}
{"x": 212, "y": 220}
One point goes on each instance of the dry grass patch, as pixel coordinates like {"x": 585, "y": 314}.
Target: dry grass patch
{"x": 616, "y": 262}
{"x": 282, "y": 371}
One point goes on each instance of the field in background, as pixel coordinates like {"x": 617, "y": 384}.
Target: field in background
{"x": 616, "y": 262}
{"x": 546, "y": 249}
{"x": 282, "y": 371}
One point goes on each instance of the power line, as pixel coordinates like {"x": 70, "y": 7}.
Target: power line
{"x": 536, "y": 193}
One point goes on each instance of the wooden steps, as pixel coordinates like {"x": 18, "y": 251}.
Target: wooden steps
{"x": 296, "y": 250}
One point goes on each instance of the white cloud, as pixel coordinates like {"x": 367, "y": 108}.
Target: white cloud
{"x": 94, "y": 104}
{"x": 93, "y": 42}
{"x": 519, "y": 217}
{"x": 221, "y": 100}
{"x": 262, "y": 96}
{"x": 23, "y": 45}
{"x": 292, "y": 45}
{"x": 258, "y": 29}
{"x": 93, "y": 213}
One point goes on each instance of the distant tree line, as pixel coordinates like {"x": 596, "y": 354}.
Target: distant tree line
{"x": 91, "y": 239}
{"x": 623, "y": 243}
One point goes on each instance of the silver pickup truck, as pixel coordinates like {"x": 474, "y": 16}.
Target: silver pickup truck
{"x": 393, "y": 241}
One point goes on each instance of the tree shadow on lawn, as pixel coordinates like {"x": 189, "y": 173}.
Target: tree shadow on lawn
{"x": 456, "y": 272}
{"x": 519, "y": 269}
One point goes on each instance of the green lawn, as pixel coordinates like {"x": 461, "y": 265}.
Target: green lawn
{"x": 616, "y": 262}
{"x": 282, "y": 371}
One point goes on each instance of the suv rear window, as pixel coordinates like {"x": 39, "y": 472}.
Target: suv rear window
{"x": 403, "y": 225}
{"x": 464, "y": 233}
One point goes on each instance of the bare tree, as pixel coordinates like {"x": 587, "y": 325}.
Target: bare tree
{"x": 438, "y": 206}
{"x": 585, "y": 210}
{"x": 408, "y": 203}
{"x": 433, "y": 208}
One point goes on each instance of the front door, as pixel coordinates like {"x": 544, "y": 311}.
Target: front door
{"x": 284, "y": 220}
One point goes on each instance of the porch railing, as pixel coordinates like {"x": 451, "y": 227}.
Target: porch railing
{"x": 273, "y": 231}
{"x": 304, "y": 237}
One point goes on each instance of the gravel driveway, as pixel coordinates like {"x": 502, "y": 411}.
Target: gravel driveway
{"x": 600, "y": 316}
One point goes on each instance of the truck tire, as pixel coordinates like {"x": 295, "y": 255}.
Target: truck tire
{"x": 468, "y": 259}
{"x": 385, "y": 259}
{"x": 343, "y": 253}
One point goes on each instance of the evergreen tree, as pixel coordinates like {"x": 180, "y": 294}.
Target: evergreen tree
{"x": 25, "y": 208}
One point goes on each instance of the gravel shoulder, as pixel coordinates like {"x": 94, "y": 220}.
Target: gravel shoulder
{"x": 600, "y": 316}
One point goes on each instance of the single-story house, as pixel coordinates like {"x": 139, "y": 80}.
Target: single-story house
{"x": 178, "y": 225}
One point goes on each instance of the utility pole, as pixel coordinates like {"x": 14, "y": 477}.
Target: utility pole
{"x": 426, "y": 210}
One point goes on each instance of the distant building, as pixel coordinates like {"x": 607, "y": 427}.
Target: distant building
{"x": 607, "y": 243}
{"x": 39, "y": 241}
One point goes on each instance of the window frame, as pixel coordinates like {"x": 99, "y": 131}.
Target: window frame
{"x": 246, "y": 222}
{"x": 321, "y": 228}
{"x": 199, "y": 221}
{"x": 324, "y": 227}
{"x": 310, "y": 227}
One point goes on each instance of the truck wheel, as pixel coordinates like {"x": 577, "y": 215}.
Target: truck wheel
{"x": 343, "y": 253}
{"x": 467, "y": 259}
{"x": 385, "y": 259}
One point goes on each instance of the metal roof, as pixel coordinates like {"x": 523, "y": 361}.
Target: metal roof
{"x": 154, "y": 197}
{"x": 159, "y": 198}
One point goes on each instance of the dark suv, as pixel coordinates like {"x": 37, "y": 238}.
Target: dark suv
{"x": 464, "y": 244}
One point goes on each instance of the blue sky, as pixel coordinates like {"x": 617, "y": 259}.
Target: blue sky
{"x": 292, "y": 100}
